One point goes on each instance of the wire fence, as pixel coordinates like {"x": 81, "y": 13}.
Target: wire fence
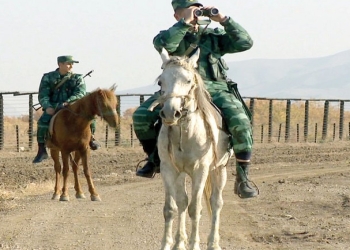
{"x": 275, "y": 120}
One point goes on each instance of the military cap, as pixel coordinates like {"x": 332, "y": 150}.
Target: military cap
{"x": 184, "y": 3}
{"x": 63, "y": 59}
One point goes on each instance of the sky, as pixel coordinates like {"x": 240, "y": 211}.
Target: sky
{"x": 114, "y": 37}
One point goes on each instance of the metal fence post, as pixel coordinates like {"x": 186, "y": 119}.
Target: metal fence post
{"x": 325, "y": 120}
{"x": 270, "y": 120}
{"x": 341, "y": 120}
{"x": 306, "y": 121}
{"x": 31, "y": 121}
{"x": 288, "y": 110}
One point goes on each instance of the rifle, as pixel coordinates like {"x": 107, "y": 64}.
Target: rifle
{"x": 34, "y": 105}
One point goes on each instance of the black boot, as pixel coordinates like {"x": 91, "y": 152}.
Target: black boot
{"x": 94, "y": 145}
{"x": 243, "y": 186}
{"x": 153, "y": 161}
{"x": 42, "y": 154}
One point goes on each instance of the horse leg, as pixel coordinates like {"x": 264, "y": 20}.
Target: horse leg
{"x": 218, "y": 181}
{"x": 79, "y": 194}
{"x": 93, "y": 194}
{"x": 169, "y": 176}
{"x": 55, "y": 155}
{"x": 65, "y": 173}
{"x": 199, "y": 177}
{"x": 182, "y": 204}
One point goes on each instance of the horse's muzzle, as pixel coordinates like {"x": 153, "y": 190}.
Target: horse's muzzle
{"x": 170, "y": 117}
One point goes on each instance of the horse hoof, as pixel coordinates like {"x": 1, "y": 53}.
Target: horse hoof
{"x": 64, "y": 198}
{"x": 55, "y": 197}
{"x": 80, "y": 196}
{"x": 95, "y": 198}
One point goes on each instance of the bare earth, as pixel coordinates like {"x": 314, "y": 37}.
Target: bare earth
{"x": 304, "y": 203}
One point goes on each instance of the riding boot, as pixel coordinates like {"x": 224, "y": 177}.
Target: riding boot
{"x": 42, "y": 154}
{"x": 153, "y": 162}
{"x": 94, "y": 145}
{"x": 243, "y": 186}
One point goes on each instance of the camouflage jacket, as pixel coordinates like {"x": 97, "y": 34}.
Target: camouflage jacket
{"x": 213, "y": 44}
{"x": 72, "y": 89}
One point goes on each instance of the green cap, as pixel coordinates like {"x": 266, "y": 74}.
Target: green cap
{"x": 63, "y": 59}
{"x": 184, "y": 3}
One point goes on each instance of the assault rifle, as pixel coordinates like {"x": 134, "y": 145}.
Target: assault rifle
{"x": 34, "y": 106}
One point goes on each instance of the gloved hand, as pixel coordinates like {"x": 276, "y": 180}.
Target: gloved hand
{"x": 61, "y": 106}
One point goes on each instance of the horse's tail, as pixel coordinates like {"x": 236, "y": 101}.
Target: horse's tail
{"x": 207, "y": 194}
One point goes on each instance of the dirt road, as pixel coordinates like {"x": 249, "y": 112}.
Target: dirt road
{"x": 304, "y": 203}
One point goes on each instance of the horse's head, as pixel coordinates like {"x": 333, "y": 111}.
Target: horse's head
{"x": 107, "y": 103}
{"x": 178, "y": 81}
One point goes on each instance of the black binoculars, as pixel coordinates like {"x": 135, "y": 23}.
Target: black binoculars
{"x": 205, "y": 12}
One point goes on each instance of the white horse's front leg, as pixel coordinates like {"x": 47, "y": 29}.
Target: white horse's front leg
{"x": 182, "y": 204}
{"x": 218, "y": 180}
{"x": 169, "y": 211}
{"x": 195, "y": 208}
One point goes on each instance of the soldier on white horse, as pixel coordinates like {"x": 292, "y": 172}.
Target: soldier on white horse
{"x": 182, "y": 39}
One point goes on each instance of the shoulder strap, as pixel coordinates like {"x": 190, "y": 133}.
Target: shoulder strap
{"x": 194, "y": 45}
{"x": 63, "y": 81}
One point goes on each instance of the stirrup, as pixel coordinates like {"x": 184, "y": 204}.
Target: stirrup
{"x": 248, "y": 182}
{"x": 156, "y": 170}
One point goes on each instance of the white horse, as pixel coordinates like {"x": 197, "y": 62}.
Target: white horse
{"x": 191, "y": 142}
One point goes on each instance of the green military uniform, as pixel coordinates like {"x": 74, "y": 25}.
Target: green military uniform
{"x": 49, "y": 96}
{"x": 213, "y": 44}
{"x": 54, "y": 90}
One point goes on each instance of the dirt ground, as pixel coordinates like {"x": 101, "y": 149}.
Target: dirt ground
{"x": 304, "y": 203}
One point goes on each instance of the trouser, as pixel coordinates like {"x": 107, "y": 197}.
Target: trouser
{"x": 43, "y": 127}
{"x": 233, "y": 112}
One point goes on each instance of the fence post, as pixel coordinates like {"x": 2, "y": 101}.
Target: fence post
{"x": 131, "y": 136}
{"x": 325, "y": 120}
{"x": 341, "y": 120}
{"x": 297, "y": 132}
{"x": 17, "y": 139}
{"x": 315, "y": 132}
{"x": 287, "y": 132}
{"x": 270, "y": 120}
{"x": 262, "y": 134}
{"x": 142, "y": 99}
{"x": 117, "y": 129}
{"x": 251, "y": 108}
{"x": 306, "y": 121}
{"x": 106, "y": 138}
{"x": 31, "y": 121}
{"x": 333, "y": 131}
{"x": 279, "y": 132}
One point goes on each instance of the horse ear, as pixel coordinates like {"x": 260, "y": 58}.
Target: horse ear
{"x": 165, "y": 57}
{"x": 194, "y": 58}
{"x": 113, "y": 87}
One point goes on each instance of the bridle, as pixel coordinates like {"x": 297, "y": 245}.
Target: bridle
{"x": 185, "y": 100}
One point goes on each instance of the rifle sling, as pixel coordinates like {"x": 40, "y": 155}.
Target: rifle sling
{"x": 63, "y": 81}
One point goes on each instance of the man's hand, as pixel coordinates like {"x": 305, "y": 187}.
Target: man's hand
{"x": 50, "y": 111}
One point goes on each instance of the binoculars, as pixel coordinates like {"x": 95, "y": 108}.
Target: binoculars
{"x": 205, "y": 12}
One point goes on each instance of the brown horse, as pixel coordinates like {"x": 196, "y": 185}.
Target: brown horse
{"x": 70, "y": 135}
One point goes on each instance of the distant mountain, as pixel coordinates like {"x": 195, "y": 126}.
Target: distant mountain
{"x": 323, "y": 77}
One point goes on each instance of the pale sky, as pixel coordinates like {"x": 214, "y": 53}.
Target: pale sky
{"x": 114, "y": 37}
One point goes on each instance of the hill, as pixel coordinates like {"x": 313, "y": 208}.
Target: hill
{"x": 323, "y": 77}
